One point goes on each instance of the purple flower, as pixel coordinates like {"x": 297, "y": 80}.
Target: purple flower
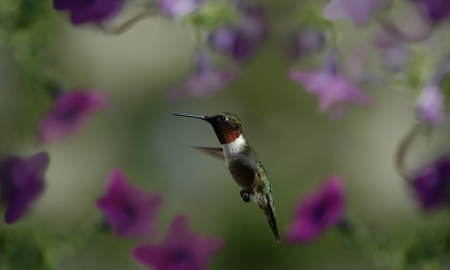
{"x": 242, "y": 40}
{"x": 205, "y": 81}
{"x": 317, "y": 212}
{"x": 180, "y": 250}
{"x": 68, "y": 114}
{"x": 430, "y": 104}
{"x": 21, "y": 182}
{"x": 332, "y": 90}
{"x": 178, "y": 8}
{"x": 129, "y": 210}
{"x": 304, "y": 41}
{"x": 357, "y": 11}
{"x": 393, "y": 49}
{"x": 435, "y": 10}
{"x": 432, "y": 184}
{"x": 84, "y": 11}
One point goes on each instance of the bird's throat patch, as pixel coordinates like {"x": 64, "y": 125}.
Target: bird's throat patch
{"x": 230, "y": 136}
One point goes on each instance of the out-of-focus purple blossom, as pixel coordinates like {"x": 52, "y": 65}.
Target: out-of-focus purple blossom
{"x": 178, "y": 8}
{"x": 130, "y": 211}
{"x": 84, "y": 11}
{"x": 180, "y": 250}
{"x": 430, "y": 104}
{"x": 242, "y": 40}
{"x": 432, "y": 184}
{"x": 359, "y": 12}
{"x": 317, "y": 212}
{"x": 435, "y": 10}
{"x": 393, "y": 50}
{"x": 331, "y": 89}
{"x": 70, "y": 111}
{"x": 205, "y": 81}
{"x": 357, "y": 69}
{"x": 21, "y": 182}
{"x": 303, "y": 41}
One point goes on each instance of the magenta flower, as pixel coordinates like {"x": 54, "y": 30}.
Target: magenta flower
{"x": 317, "y": 212}
{"x": 178, "y": 8}
{"x": 331, "y": 89}
{"x": 68, "y": 114}
{"x": 435, "y": 10}
{"x": 430, "y": 104}
{"x": 21, "y": 183}
{"x": 180, "y": 250}
{"x": 359, "y": 12}
{"x": 84, "y": 11}
{"x": 242, "y": 40}
{"x": 303, "y": 41}
{"x": 205, "y": 81}
{"x": 130, "y": 211}
{"x": 432, "y": 184}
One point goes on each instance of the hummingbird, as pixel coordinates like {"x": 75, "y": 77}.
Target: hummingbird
{"x": 242, "y": 162}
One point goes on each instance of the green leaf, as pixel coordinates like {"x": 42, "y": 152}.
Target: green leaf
{"x": 211, "y": 16}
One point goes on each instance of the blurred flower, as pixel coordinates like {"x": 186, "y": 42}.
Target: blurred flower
{"x": 432, "y": 184}
{"x": 178, "y": 8}
{"x": 84, "y": 11}
{"x": 435, "y": 10}
{"x": 359, "y": 11}
{"x": 317, "y": 212}
{"x": 332, "y": 90}
{"x": 180, "y": 249}
{"x": 304, "y": 41}
{"x": 393, "y": 50}
{"x": 205, "y": 81}
{"x": 357, "y": 68}
{"x": 430, "y": 104}
{"x": 21, "y": 182}
{"x": 242, "y": 40}
{"x": 130, "y": 211}
{"x": 68, "y": 114}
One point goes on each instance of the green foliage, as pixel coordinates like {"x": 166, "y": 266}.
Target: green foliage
{"x": 310, "y": 14}
{"x": 445, "y": 88}
{"x": 211, "y": 16}
{"x": 418, "y": 70}
{"x": 27, "y": 28}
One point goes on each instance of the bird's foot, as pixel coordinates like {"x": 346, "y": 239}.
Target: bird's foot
{"x": 245, "y": 195}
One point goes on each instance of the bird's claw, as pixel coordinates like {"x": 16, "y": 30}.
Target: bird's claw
{"x": 245, "y": 195}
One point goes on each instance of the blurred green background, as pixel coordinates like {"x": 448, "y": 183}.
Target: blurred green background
{"x": 298, "y": 144}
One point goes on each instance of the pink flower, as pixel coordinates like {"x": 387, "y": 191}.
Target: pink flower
{"x": 180, "y": 250}
{"x": 331, "y": 89}
{"x": 303, "y": 41}
{"x": 430, "y": 105}
{"x": 241, "y": 41}
{"x": 317, "y": 212}
{"x": 357, "y": 11}
{"x": 205, "y": 82}
{"x": 130, "y": 211}
{"x": 69, "y": 113}
{"x": 178, "y": 8}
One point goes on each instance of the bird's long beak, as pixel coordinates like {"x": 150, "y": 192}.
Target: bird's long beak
{"x": 190, "y": 115}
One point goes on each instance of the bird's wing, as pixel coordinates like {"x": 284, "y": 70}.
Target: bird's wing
{"x": 246, "y": 161}
{"x": 212, "y": 151}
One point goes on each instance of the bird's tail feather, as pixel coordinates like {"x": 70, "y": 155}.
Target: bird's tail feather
{"x": 268, "y": 208}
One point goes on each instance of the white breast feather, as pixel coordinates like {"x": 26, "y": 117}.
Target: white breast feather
{"x": 233, "y": 148}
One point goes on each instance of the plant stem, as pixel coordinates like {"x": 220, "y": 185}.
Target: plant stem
{"x": 404, "y": 147}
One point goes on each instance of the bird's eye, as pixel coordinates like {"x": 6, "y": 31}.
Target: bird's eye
{"x": 222, "y": 118}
